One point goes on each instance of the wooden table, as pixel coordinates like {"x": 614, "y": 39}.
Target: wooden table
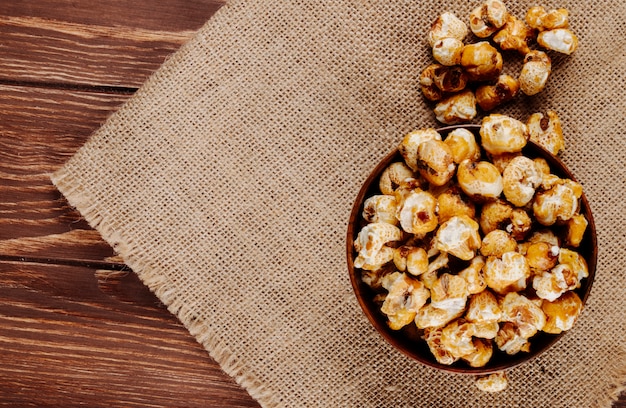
{"x": 76, "y": 325}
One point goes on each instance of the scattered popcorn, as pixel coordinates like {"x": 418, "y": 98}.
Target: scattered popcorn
{"x": 495, "y": 382}
{"x": 560, "y": 40}
{"x": 447, "y": 25}
{"x": 488, "y": 18}
{"x": 535, "y": 72}
{"x": 515, "y": 35}
{"x": 481, "y": 61}
{"x": 488, "y": 97}
{"x": 476, "y": 67}
{"x": 545, "y": 130}
{"x": 447, "y": 51}
{"x": 458, "y": 108}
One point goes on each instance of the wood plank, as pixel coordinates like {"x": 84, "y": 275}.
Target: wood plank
{"x": 105, "y": 44}
{"x": 40, "y": 129}
{"x": 65, "y": 342}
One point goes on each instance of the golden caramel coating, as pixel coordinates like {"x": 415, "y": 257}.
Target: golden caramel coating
{"x": 376, "y": 261}
{"x": 427, "y": 83}
{"x": 540, "y": 162}
{"x": 576, "y": 261}
{"x": 520, "y": 225}
{"x": 502, "y": 160}
{"x": 520, "y": 179}
{"x": 545, "y": 130}
{"x": 556, "y": 204}
{"x": 510, "y": 340}
{"x": 406, "y": 296}
{"x": 525, "y": 314}
{"x": 429, "y": 278}
{"x": 430, "y": 316}
{"x": 506, "y": 274}
{"x": 483, "y": 307}
{"x": 503, "y": 134}
{"x": 374, "y": 279}
{"x": 458, "y": 108}
{"x": 479, "y": 179}
{"x": 485, "y": 330}
{"x": 371, "y": 240}
{"x": 450, "y": 79}
{"x": 545, "y": 235}
{"x": 380, "y": 208}
{"x": 495, "y": 215}
{"x": 537, "y": 17}
{"x": 481, "y": 61}
{"x": 393, "y": 176}
{"x": 456, "y": 338}
{"x": 459, "y": 237}
{"x": 449, "y": 292}
{"x": 487, "y": 18}
{"x": 488, "y": 97}
{"x": 496, "y": 243}
{"x": 447, "y": 25}
{"x": 542, "y": 256}
{"x": 515, "y": 35}
{"x": 474, "y": 275}
{"x": 482, "y": 355}
{"x": 432, "y": 336}
{"x": 463, "y": 145}
{"x": 411, "y": 259}
{"x": 451, "y": 203}
{"x": 410, "y": 143}
{"x": 495, "y": 382}
{"x": 552, "y": 284}
{"x": 447, "y": 51}
{"x": 435, "y": 162}
{"x": 562, "y": 313}
{"x": 417, "y": 213}
{"x": 535, "y": 72}
{"x": 560, "y": 40}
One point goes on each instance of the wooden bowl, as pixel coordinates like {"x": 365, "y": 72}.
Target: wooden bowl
{"x": 408, "y": 340}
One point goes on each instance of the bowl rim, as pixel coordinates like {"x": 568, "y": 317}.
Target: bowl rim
{"x": 360, "y": 289}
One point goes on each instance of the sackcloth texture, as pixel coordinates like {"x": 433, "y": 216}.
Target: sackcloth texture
{"x": 226, "y": 183}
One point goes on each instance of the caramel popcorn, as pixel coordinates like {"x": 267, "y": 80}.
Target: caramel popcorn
{"x": 476, "y": 68}
{"x": 474, "y": 244}
{"x": 465, "y": 252}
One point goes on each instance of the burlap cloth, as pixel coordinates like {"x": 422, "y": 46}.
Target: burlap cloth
{"x": 227, "y": 181}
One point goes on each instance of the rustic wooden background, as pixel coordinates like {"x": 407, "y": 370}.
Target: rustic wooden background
{"x": 76, "y": 325}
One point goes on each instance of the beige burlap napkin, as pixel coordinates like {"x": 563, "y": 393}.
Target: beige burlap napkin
{"x": 227, "y": 181}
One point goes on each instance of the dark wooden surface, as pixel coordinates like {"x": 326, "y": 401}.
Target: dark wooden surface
{"x": 76, "y": 325}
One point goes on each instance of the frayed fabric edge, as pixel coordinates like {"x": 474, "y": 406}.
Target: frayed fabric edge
{"x": 163, "y": 289}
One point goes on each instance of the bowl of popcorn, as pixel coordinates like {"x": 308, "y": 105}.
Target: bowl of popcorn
{"x": 472, "y": 248}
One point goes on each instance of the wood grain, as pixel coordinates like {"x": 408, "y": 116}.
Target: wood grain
{"x": 41, "y": 129}
{"x": 109, "y": 44}
{"x": 75, "y": 339}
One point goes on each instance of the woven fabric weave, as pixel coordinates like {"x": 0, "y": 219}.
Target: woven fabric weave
{"x": 227, "y": 180}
